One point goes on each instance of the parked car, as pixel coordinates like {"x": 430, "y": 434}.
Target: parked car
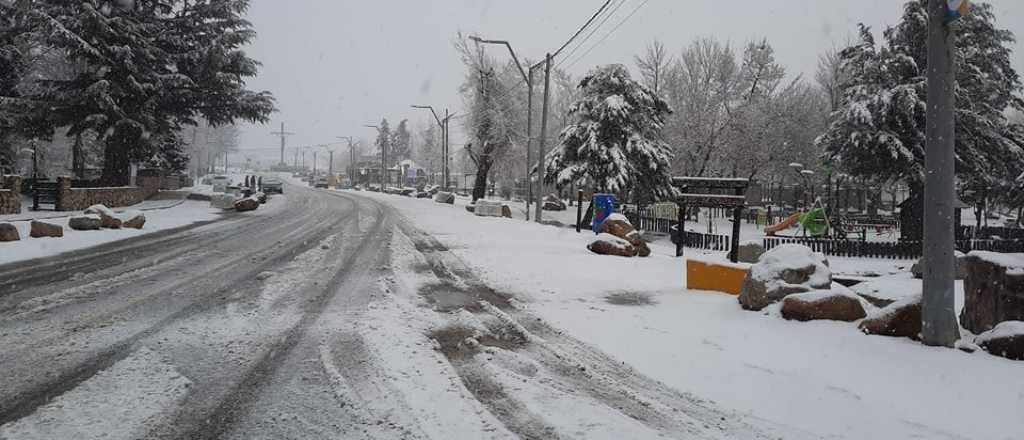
{"x": 273, "y": 185}
{"x": 321, "y": 182}
{"x": 221, "y": 183}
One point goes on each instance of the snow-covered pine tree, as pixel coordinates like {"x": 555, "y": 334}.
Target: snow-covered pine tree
{"x": 401, "y": 142}
{"x": 148, "y": 68}
{"x": 879, "y": 130}
{"x": 613, "y": 143}
{"x": 384, "y": 141}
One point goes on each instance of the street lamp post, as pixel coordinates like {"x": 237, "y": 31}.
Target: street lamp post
{"x": 443, "y": 124}
{"x": 528, "y": 78}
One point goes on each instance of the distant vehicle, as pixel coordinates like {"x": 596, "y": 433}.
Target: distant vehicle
{"x": 321, "y": 182}
{"x": 273, "y": 185}
{"x": 221, "y": 183}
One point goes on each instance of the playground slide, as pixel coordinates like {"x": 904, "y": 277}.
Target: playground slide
{"x": 786, "y": 224}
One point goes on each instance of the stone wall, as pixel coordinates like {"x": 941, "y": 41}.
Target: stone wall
{"x": 10, "y": 195}
{"x": 77, "y": 199}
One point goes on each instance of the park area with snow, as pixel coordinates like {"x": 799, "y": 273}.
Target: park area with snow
{"x": 821, "y": 379}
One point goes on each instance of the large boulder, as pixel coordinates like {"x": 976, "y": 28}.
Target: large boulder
{"x": 108, "y": 218}
{"x": 1006, "y": 339}
{"x": 823, "y": 305}
{"x": 506, "y": 211}
{"x": 247, "y": 204}
{"x": 993, "y": 290}
{"x": 619, "y": 226}
{"x": 43, "y": 229}
{"x": 900, "y": 319}
{"x": 445, "y": 197}
{"x": 961, "y": 267}
{"x": 86, "y": 222}
{"x": 487, "y": 208}
{"x": 782, "y": 271}
{"x": 607, "y": 244}
{"x": 133, "y": 219}
{"x": 553, "y": 203}
{"x": 750, "y": 252}
{"x": 9, "y": 232}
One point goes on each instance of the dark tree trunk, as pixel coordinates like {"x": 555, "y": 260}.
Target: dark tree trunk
{"x": 116, "y": 164}
{"x": 483, "y": 169}
{"x": 77, "y": 158}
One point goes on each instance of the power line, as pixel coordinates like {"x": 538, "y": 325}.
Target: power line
{"x": 609, "y": 34}
{"x": 584, "y": 27}
{"x": 592, "y": 32}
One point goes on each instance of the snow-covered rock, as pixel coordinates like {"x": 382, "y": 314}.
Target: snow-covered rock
{"x": 782, "y": 271}
{"x": 619, "y": 226}
{"x": 39, "y": 229}
{"x": 1006, "y": 339}
{"x": 487, "y": 208}
{"x": 608, "y": 244}
{"x": 900, "y": 319}
{"x": 835, "y": 305}
{"x": 993, "y": 290}
{"x": 133, "y": 219}
{"x": 445, "y": 197}
{"x": 108, "y": 218}
{"x": 247, "y": 204}
{"x": 553, "y": 203}
{"x": 87, "y": 222}
{"x": 8, "y": 232}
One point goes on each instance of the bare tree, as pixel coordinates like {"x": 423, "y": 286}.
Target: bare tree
{"x": 654, "y": 65}
{"x": 829, "y": 78}
{"x": 701, "y": 88}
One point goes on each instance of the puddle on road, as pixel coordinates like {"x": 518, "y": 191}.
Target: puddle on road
{"x": 446, "y": 297}
{"x": 458, "y": 342}
{"x": 631, "y": 299}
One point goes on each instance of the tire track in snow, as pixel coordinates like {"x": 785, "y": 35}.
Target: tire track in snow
{"x": 28, "y": 400}
{"x": 579, "y": 368}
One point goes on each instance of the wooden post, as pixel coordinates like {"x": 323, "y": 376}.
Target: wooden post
{"x": 681, "y": 230}
{"x": 579, "y": 209}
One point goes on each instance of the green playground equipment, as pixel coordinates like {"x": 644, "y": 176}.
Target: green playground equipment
{"x": 815, "y": 222}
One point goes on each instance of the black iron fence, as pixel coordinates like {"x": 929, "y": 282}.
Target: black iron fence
{"x": 899, "y": 250}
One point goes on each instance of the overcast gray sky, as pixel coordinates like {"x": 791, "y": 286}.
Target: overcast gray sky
{"x": 335, "y": 65}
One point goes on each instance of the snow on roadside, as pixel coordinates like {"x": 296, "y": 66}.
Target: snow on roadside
{"x": 184, "y": 214}
{"x": 121, "y": 402}
{"x": 823, "y": 378}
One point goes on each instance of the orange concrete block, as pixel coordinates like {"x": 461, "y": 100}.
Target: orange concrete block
{"x": 701, "y": 275}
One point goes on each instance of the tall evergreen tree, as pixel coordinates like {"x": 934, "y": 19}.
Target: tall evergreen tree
{"x": 614, "y": 145}
{"x": 150, "y": 67}
{"x": 401, "y": 142}
{"x": 878, "y": 132}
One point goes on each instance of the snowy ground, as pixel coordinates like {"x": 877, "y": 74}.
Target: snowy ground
{"x": 820, "y": 379}
{"x": 159, "y": 217}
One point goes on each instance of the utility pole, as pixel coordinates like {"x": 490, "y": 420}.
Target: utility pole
{"x": 314, "y": 163}
{"x": 939, "y": 326}
{"x": 543, "y": 139}
{"x": 330, "y": 165}
{"x": 443, "y": 125}
{"x": 283, "y": 135}
{"x": 381, "y": 155}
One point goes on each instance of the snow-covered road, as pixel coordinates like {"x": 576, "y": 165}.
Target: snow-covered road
{"x": 332, "y": 316}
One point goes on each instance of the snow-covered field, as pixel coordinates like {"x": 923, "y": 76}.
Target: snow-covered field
{"x": 818, "y": 379}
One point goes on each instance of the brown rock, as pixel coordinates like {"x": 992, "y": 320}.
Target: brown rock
{"x": 621, "y": 228}
{"x": 506, "y": 211}
{"x": 445, "y": 197}
{"x": 8, "y": 232}
{"x": 133, "y": 219}
{"x": 43, "y": 229}
{"x": 901, "y": 319}
{"x": 611, "y": 245}
{"x": 1005, "y": 340}
{"x": 108, "y": 219}
{"x": 642, "y": 250}
{"x": 247, "y": 204}
{"x": 782, "y": 271}
{"x": 87, "y": 222}
{"x": 993, "y": 290}
{"x": 822, "y": 305}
